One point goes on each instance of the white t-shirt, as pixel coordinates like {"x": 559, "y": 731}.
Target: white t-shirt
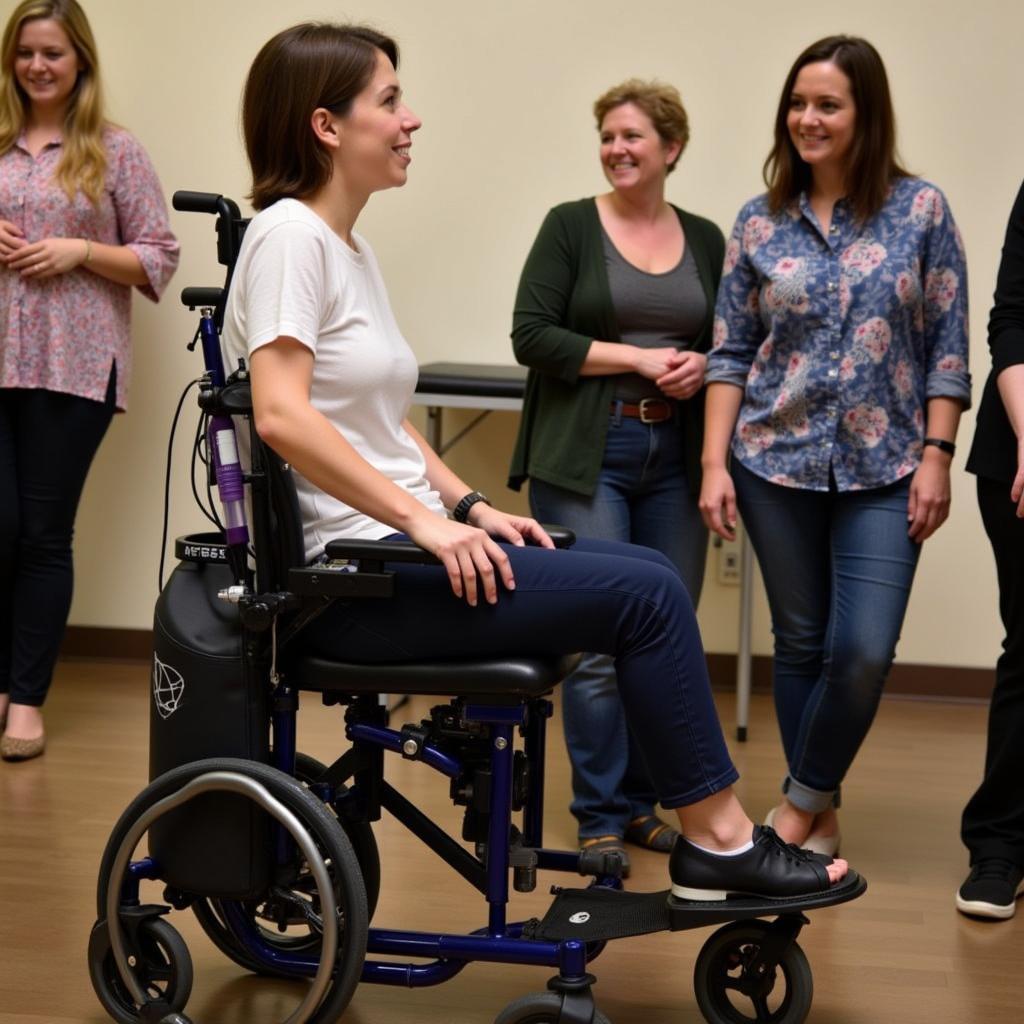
{"x": 296, "y": 278}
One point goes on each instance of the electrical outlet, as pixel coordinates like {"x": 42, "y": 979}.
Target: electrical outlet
{"x": 729, "y": 563}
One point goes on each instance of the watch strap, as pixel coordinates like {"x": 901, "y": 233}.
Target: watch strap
{"x": 461, "y": 510}
{"x": 941, "y": 443}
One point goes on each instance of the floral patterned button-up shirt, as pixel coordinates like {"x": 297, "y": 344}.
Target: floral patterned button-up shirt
{"x": 839, "y": 339}
{"x": 63, "y": 333}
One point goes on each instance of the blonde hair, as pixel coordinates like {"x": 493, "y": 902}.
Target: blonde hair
{"x": 83, "y": 162}
{"x": 660, "y": 102}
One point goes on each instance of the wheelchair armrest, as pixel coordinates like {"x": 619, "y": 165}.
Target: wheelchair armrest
{"x": 561, "y": 535}
{"x": 406, "y": 551}
{"x": 379, "y": 551}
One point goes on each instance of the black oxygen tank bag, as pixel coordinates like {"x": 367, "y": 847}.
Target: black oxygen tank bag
{"x": 207, "y": 701}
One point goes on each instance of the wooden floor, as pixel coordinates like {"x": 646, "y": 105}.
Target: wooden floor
{"x": 900, "y": 954}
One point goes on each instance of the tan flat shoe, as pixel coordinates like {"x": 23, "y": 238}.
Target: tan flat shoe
{"x": 12, "y": 748}
{"x": 827, "y": 846}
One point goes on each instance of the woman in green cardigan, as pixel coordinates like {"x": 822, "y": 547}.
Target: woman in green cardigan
{"x": 613, "y": 317}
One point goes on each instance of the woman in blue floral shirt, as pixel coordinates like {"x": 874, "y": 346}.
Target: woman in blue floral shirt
{"x": 837, "y": 379}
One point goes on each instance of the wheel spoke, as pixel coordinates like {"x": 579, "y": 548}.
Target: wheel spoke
{"x": 761, "y": 1008}
{"x": 159, "y": 972}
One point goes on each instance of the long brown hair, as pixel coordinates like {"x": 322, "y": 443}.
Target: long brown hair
{"x": 83, "y": 161}
{"x": 300, "y": 69}
{"x": 872, "y": 163}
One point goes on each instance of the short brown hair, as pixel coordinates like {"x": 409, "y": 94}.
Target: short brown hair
{"x": 311, "y": 65}
{"x": 660, "y": 102}
{"x": 873, "y": 164}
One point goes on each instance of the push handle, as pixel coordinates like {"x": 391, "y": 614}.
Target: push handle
{"x": 196, "y": 202}
{"x": 195, "y": 298}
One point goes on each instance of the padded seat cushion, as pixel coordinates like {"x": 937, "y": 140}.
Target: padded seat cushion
{"x": 502, "y": 677}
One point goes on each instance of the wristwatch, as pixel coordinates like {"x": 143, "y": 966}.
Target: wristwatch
{"x": 461, "y": 511}
{"x": 941, "y": 443}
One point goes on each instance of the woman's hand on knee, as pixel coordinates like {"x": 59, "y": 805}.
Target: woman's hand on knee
{"x": 518, "y": 530}
{"x": 718, "y": 502}
{"x": 928, "y": 504}
{"x": 473, "y": 561}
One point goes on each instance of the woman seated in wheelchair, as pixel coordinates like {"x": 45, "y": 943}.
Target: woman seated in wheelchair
{"x": 326, "y": 125}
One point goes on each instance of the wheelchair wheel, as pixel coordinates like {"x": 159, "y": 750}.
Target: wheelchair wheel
{"x": 293, "y": 886}
{"x": 540, "y": 1008}
{"x": 163, "y": 968}
{"x": 309, "y": 770}
{"x": 728, "y": 993}
{"x": 295, "y": 936}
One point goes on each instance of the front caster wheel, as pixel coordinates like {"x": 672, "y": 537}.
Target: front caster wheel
{"x": 162, "y": 967}
{"x": 540, "y": 1008}
{"x": 730, "y": 991}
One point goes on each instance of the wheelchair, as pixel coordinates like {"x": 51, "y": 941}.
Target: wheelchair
{"x": 274, "y": 852}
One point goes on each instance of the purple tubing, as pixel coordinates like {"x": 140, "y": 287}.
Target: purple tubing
{"x": 230, "y": 485}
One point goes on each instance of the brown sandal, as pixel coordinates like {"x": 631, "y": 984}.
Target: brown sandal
{"x": 651, "y": 833}
{"x": 608, "y": 844}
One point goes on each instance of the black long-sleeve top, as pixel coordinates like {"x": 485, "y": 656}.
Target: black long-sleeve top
{"x": 994, "y": 449}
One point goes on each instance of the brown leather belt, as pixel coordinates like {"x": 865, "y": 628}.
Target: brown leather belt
{"x": 650, "y": 410}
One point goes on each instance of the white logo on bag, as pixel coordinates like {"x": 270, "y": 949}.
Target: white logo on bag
{"x": 168, "y": 688}
{"x": 581, "y": 918}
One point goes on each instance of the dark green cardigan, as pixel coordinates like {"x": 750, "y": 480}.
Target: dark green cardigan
{"x": 563, "y": 304}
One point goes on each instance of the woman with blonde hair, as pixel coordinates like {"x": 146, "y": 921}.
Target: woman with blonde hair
{"x": 613, "y": 317}
{"x": 82, "y": 222}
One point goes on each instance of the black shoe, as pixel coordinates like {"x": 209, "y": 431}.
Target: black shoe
{"x": 773, "y": 869}
{"x": 991, "y": 889}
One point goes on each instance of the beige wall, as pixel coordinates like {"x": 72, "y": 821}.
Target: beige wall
{"x": 504, "y": 91}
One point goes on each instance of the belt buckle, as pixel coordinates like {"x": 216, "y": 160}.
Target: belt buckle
{"x": 643, "y": 410}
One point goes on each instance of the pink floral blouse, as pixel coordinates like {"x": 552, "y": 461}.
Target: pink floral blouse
{"x": 64, "y": 333}
{"x": 838, "y": 340}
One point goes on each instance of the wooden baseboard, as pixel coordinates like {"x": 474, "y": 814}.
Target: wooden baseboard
{"x": 906, "y": 679}
{"x": 109, "y": 644}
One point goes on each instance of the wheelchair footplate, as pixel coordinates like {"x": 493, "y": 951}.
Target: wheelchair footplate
{"x": 599, "y": 913}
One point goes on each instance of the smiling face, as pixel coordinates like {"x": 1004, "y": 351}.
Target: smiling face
{"x": 375, "y": 136}
{"x": 822, "y": 117}
{"x": 633, "y": 154}
{"x": 46, "y": 65}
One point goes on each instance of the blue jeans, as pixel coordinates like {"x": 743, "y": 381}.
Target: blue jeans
{"x": 837, "y": 568}
{"x": 641, "y": 497}
{"x": 618, "y": 599}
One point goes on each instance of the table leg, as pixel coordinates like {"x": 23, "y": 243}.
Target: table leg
{"x": 743, "y": 654}
{"x": 434, "y": 427}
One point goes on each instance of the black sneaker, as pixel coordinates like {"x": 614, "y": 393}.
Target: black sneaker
{"x": 772, "y": 869}
{"x": 991, "y": 889}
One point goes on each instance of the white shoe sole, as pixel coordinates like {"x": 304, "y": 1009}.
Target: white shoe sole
{"x": 681, "y": 892}
{"x": 979, "y": 908}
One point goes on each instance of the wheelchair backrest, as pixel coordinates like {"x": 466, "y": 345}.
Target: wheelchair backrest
{"x": 278, "y": 535}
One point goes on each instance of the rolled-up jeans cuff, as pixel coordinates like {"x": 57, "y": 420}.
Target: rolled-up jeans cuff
{"x": 814, "y": 801}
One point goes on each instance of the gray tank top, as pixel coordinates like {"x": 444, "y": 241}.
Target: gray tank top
{"x": 652, "y": 311}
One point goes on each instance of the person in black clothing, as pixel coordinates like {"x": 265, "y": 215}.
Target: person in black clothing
{"x": 993, "y": 820}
